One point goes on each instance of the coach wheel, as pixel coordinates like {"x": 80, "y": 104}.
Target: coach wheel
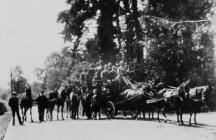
{"x": 110, "y": 110}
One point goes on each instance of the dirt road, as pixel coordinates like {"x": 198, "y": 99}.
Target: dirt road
{"x": 115, "y": 129}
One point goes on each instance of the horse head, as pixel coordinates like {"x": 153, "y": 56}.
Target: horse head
{"x": 205, "y": 93}
{"x": 146, "y": 89}
{"x": 184, "y": 89}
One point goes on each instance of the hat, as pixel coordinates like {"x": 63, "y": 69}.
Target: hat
{"x": 14, "y": 93}
{"x": 121, "y": 62}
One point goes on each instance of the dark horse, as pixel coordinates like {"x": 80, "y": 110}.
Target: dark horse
{"x": 133, "y": 100}
{"x": 198, "y": 96}
{"x": 51, "y": 104}
{"x": 173, "y": 98}
{"x": 61, "y": 102}
{"x": 27, "y": 103}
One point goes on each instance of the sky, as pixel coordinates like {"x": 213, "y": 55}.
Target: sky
{"x": 28, "y": 34}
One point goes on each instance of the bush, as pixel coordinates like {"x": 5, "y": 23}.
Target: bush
{"x": 4, "y": 107}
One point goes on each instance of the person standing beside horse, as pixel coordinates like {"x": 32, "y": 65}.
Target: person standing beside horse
{"x": 83, "y": 78}
{"x": 14, "y": 104}
{"x": 42, "y": 102}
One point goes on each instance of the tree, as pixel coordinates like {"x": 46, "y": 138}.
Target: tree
{"x": 61, "y": 69}
{"x": 173, "y": 52}
{"x": 92, "y": 50}
{"x": 109, "y": 15}
{"x": 36, "y": 88}
{"x": 18, "y": 81}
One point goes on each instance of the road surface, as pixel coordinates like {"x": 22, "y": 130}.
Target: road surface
{"x": 115, "y": 129}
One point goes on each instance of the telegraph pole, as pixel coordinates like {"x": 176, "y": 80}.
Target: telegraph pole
{"x": 11, "y": 76}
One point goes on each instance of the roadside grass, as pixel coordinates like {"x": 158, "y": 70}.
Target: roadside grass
{"x": 5, "y": 117}
{"x": 4, "y": 122}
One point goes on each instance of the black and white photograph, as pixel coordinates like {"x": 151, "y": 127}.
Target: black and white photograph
{"x": 108, "y": 70}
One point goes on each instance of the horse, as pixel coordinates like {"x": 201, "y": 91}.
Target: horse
{"x": 60, "y": 102}
{"x": 134, "y": 100}
{"x": 51, "y": 104}
{"x": 173, "y": 98}
{"x": 152, "y": 89}
{"x": 198, "y": 96}
{"x": 25, "y": 104}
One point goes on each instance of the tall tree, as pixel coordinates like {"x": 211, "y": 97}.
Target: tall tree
{"x": 108, "y": 14}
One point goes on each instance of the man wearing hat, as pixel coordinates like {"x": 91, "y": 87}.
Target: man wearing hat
{"x": 14, "y": 104}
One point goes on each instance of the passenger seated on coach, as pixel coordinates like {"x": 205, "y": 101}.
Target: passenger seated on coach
{"x": 105, "y": 74}
{"x": 113, "y": 73}
{"x": 97, "y": 80}
{"x": 83, "y": 78}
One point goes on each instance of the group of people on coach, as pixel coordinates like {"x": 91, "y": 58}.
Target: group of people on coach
{"x": 100, "y": 74}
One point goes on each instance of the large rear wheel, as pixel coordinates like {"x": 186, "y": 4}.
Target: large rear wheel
{"x": 110, "y": 110}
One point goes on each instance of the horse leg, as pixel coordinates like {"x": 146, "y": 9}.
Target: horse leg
{"x": 66, "y": 110}
{"x": 51, "y": 114}
{"x": 190, "y": 118}
{"x": 158, "y": 115}
{"x": 46, "y": 114}
{"x": 84, "y": 109}
{"x": 99, "y": 114}
{"x": 57, "y": 112}
{"x": 144, "y": 114}
{"x": 77, "y": 112}
{"x": 22, "y": 113}
{"x": 177, "y": 114}
{"x": 195, "y": 117}
{"x": 31, "y": 114}
{"x": 163, "y": 112}
{"x": 95, "y": 114}
{"x": 25, "y": 116}
{"x": 181, "y": 114}
{"x": 72, "y": 113}
{"x": 62, "y": 109}
{"x": 149, "y": 114}
{"x": 152, "y": 114}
